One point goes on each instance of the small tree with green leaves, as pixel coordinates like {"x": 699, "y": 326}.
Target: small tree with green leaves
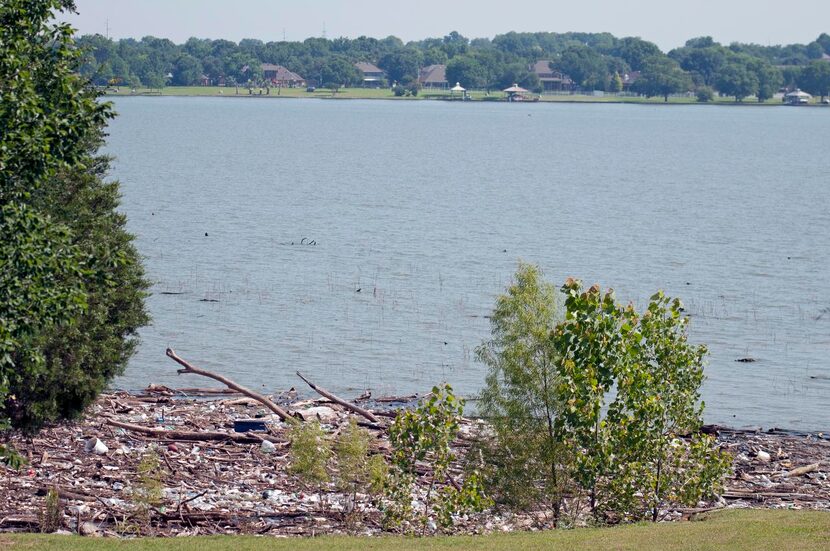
{"x": 527, "y": 462}
{"x": 424, "y": 435}
{"x": 657, "y": 402}
{"x": 309, "y": 453}
{"x": 355, "y": 469}
{"x": 629, "y": 455}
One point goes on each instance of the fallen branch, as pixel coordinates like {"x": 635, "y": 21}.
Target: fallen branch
{"x": 185, "y": 436}
{"x": 188, "y": 368}
{"x": 802, "y": 470}
{"x": 348, "y": 405}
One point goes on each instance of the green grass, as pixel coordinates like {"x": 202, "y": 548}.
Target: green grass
{"x": 736, "y": 530}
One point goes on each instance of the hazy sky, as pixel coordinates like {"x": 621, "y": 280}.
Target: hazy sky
{"x": 662, "y": 21}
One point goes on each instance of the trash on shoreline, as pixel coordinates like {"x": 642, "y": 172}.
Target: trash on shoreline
{"x": 215, "y": 480}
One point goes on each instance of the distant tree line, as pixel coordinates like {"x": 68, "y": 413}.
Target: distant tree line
{"x": 594, "y": 61}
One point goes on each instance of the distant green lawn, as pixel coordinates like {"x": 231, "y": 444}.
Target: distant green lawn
{"x": 385, "y": 93}
{"x": 735, "y": 530}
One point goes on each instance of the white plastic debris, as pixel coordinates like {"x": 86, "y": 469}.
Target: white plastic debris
{"x": 763, "y": 456}
{"x": 94, "y": 445}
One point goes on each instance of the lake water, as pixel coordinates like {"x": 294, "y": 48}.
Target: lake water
{"x": 420, "y": 211}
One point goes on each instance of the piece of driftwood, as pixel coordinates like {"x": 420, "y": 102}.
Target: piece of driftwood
{"x": 188, "y": 368}
{"x": 802, "y": 470}
{"x": 337, "y": 400}
{"x": 186, "y": 436}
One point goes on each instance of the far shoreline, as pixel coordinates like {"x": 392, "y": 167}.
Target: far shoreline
{"x": 427, "y": 95}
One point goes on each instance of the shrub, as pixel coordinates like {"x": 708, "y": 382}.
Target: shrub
{"x": 425, "y": 434}
{"x": 355, "y": 470}
{"x": 705, "y": 94}
{"x": 309, "y": 454}
{"x": 51, "y": 516}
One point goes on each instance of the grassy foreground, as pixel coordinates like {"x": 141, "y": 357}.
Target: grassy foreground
{"x": 735, "y": 530}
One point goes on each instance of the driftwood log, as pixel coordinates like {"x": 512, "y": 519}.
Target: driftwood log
{"x": 186, "y": 436}
{"x": 188, "y": 368}
{"x": 337, "y": 400}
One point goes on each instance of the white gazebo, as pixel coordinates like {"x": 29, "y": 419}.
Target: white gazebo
{"x": 458, "y": 88}
{"x": 797, "y": 97}
{"x": 513, "y": 90}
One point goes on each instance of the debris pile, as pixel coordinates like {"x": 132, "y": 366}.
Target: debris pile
{"x": 171, "y": 462}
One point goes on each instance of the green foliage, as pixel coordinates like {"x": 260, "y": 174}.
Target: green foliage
{"x": 736, "y": 78}
{"x": 11, "y": 457}
{"x": 71, "y": 284}
{"x": 351, "y": 451}
{"x": 520, "y": 398}
{"x": 815, "y": 78}
{"x": 468, "y": 71}
{"x": 597, "y": 404}
{"x": 587, "y": 67}
{"x": 425, "y": 435}
{"x": 51, "y": 516}
{"x": 769, "y": 77}
{"x": 630, "y": 459}
{"x": 705, "y": 94}
{"x": 148, "y": 493}
{"x": 378, "y": 474}
{"x": 662, "y": 76}
{"x": 310, "y": 453}
{"x": 337, "y": 71}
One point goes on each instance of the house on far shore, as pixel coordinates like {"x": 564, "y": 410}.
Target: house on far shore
{"x": 280, "y": 76}
{"x": 551, "y": 80}
{"x": 434, "y": 76}
{"x": 628, "y": 80}
{"x": 373, "y": 76}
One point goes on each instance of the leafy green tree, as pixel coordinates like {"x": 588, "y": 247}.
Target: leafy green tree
{"x": 186, "y": 71}
{"x": 466, "y": 70}
{"x": 657, "y": 402}
{"x": 585, "y": 66}
{"x": 769, "y": 77}
{"x": 662, "y": 76}
{"x": 737, "y": 79}
{"x": 71, "y": 284}
{"x": 401, "y": 65}
{"x": 528, "y": 463}
{"x": 636, "y": 51}
{"x": 338, "y": 71}
{"x": 815, "y": 79}
{"x": 630, "y": 459}
{"x": 704, "y": 62}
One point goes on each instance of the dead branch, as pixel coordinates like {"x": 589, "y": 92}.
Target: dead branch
{"x": 348, "y": 405}
{"x": 188, "y": 368}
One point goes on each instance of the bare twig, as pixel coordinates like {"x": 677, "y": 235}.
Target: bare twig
{"x": 348, "y": 405}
